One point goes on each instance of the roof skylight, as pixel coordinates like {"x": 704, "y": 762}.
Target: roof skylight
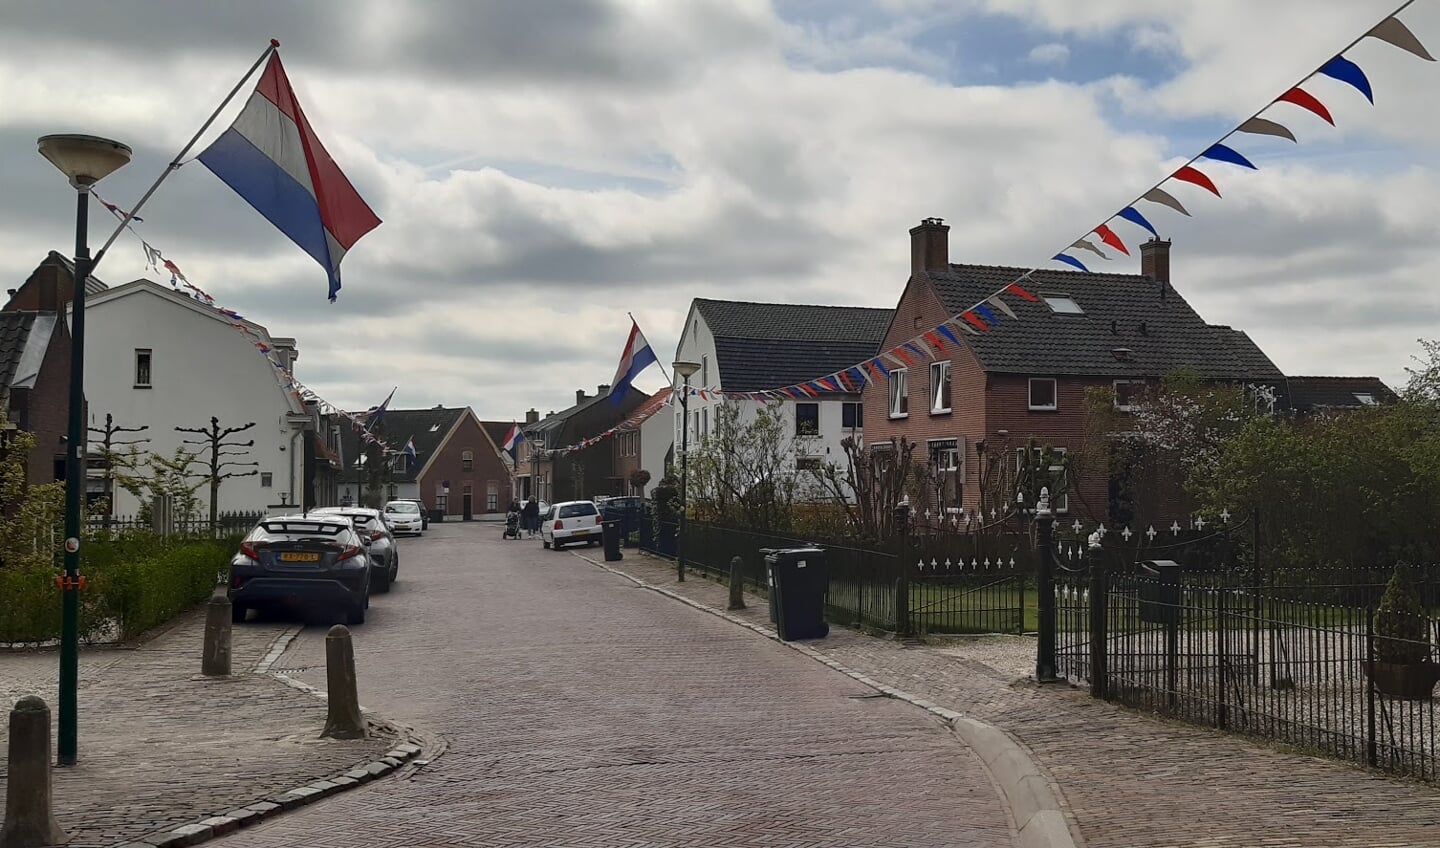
{"x": 1062, "y": 304}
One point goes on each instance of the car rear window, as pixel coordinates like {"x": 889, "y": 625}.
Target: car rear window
{"x": 404, "y": 508}
{"x": 573, "y": 510}
{"x": 282, "y": 530}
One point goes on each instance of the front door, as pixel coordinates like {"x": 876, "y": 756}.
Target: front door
{"x": 467, "y": 507}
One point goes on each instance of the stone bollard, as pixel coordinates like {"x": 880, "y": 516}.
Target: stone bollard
{"x": 216, "y": 659}
{"x": 29, "y": 818}
{"x": 737, "y": 584}
{"x": 343, "y": 720}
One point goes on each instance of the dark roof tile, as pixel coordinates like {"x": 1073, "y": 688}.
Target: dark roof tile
{"x": 14, "y": 332}
{"x": 1310, "y": 393}
{"x": 768, "y": 345}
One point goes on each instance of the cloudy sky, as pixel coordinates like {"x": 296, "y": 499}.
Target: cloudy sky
{"x": 543, "y": 168}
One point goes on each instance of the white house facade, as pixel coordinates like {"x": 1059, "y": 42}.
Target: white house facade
{"x": 155, "y": 357}
{"x": 749, "y": 347}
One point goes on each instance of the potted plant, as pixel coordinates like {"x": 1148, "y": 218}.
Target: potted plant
{"x": 1403, "y": 667}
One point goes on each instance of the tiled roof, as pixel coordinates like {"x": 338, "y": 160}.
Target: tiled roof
{"x": 497, "y": 431}
{"x": 427, "y": 426}
{"x": 1309, "y": 393}
{"x": 767, "y": 345}
{"x": 647, "y": 409}
{"x": 1122, "y": 311}
{"x": 14, "y": 332}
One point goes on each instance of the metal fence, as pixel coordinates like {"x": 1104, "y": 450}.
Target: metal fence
{"x": 1218, "y": 640}
{"x": 226, "y": 524}
{"x": 932, "y": 583}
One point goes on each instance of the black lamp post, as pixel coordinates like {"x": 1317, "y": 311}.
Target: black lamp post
{"x": 85, "y": 160}
{"x": 686, "y": 370}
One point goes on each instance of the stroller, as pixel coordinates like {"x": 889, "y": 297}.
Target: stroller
{"x": 512, "y": 524}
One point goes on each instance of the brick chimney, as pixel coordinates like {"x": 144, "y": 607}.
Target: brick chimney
{"x": 533, "y": 416}
{"x": 1155, "y": 261}
{"x": 602, "y": 390}
{"x": 579, "y": 395}
{"x": 929, "y": 247}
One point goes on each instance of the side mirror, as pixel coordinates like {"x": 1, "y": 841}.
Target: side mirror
{"x": 365, "y": 540}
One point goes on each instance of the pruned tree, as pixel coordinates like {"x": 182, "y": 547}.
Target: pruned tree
{"x": 873, "y": 487}
{"x": 113, "y": 451}
{"x": 221, "y": 465}
{"x": 743, "y": 471}
{"x": 148, "y": 476}
{"x": 640, "y": 478}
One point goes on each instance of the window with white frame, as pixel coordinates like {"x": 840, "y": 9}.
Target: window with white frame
{"x": 705, "y": 423}
{"x": 852, "y": 415}
{"x": 809, "y": 463}
{"x": 467, "y": 460}
{"x": 807, "y": 419}
{"x": 1127, "y": 392}
{"x": 939, "y": 387}
{"x": 142, "y": 368}
{"x": 899, "y": 394}
{"x": 1055, "y": 471}
{"x": 1043, "y": 394}
{"x": 945, "y": 459}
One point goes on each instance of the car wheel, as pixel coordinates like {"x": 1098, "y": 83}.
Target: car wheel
{"x": 544, "y": 544}
{"x": 380, "y": 582}
{"x": 238, "y": 612}
{"x": 356, "y": 615}
{"x": 555, "y": 545}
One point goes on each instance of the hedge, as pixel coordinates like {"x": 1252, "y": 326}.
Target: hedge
{"x": 132, "y": 583}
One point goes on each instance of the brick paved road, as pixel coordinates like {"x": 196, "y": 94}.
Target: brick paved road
{"x": 1131, "y": 781}
{"x": 582, "y": 711}
{"x": 161, "y": 747}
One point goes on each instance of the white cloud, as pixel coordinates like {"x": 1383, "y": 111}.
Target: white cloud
{"x": 1052, "y": 53}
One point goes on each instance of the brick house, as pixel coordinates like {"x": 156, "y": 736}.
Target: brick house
{"x": 457, "y": 470}
{"x": 582, "y": 473}
{"x": 635, "y": 452}
{"x": 976, "y": 407}
{"x": 1316, "y": 395}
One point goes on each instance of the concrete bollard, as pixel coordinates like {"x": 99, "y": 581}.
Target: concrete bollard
{"x": 737, "y": 584}
{"x": 216, "y": 659}
{"x": 343, "y": 720}
{"x": 29, "y": 816}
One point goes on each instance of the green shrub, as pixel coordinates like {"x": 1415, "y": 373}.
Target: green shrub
{"x": 1402, "y": 629}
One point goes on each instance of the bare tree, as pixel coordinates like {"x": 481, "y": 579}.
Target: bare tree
{"x": 110, "y": 457}
{"x": 221, "y": 447}
{"x": 873, "y": 486}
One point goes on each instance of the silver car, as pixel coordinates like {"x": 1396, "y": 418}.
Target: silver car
{"x": 384, "y": 552}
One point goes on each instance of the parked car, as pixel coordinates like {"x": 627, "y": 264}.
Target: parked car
{"x": 420, "y": 505}
{"x": 570, "y": 521}
{"x": 313, "y": 561}
{"x": 384, "y": 552}
{"x": 405, "y": 517}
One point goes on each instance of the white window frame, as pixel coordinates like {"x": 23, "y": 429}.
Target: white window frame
{"x": 467, "y": 460}
{"x": 807, "y": 403}
{"x": 1061, "y": 503}
{"x": 1054, "y": 394}
{"x": 899, "y": 401}
{"x": 1115, "y": 390}
{"x": 1051, "y": 296}
{"x": 149, "y": 356}
{"x": 954, "y": 452}
{"x": 940, "y": 376}
{"x": 859, "y": 407}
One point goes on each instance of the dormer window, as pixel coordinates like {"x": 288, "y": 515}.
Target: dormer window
{"x": 1365, "y": 398}
{"x": 1062, "y": 304}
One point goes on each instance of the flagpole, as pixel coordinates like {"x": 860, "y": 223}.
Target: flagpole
{"x": 175, "y": 163}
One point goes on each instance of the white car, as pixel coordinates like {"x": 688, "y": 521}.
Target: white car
{"x": 570, "y": 521}
{"x": 405, "y": 517}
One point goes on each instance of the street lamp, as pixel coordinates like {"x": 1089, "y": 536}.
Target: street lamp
{"x": 85, "y": 160}
{"x": 686, "y": 370}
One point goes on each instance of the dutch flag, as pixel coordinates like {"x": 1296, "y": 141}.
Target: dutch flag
{"x": 513, "y": 438}
{"x": 272, "y": 158}
{"x": 636, "y": 357}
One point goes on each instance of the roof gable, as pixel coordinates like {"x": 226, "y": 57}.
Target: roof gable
{"x": 1152, "y": 326}
{"x": 1309, "y": 393}
{"x": 767, "y": 345}
{"x": 14, "y": 338}
{"x": 428, "y": 427}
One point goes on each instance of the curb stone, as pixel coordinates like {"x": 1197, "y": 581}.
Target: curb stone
{"x": 1031, "y": 795}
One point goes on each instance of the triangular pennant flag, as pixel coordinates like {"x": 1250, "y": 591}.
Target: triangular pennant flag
{"x": 1392, "y": 31}
{"x": 1165, "y": 198}
{"x": 1086, "y": 244}
{"x": 1070, "y": 260}
{"x": 1131, "y": 214}
{"x": 877, "y": 365}
{"x": 1108, "y": 236}
{"x": 1347, "y": 71}
{"x": 935, "y": 341}
{"x": 858, "y": 375}
{"x": 984, "y": 312}
{"x": 975, "y": 321}
{"x": 1305, "y": 100}
{"x": 944, "y": 330}
{"x": 1190, "y": 175}
{"x": 1020, "y": 292}
{"x": 919, "y": 348}
{"x": 1221, "y": 153}
{"x": 901, "y": 355}
{"x": 999, "y": 304}
{"x": 1261, "y": 126}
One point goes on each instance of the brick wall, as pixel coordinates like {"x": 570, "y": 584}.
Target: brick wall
{"x": 487, "y": 470}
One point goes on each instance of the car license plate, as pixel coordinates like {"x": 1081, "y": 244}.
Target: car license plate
{"x": 582, "y": 532}
{"x": 299, "y": 557}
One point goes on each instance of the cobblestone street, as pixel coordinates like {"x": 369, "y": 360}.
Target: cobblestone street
{"x": 160, "y": 746}
{"x": 1131, "y": 781}
{"x": 580, "y": 710}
